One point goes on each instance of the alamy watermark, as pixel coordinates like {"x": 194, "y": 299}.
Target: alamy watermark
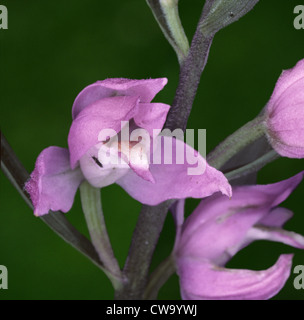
{"x": 3, "y": 277}
{"x": 298, "y": 281}
{"x": 299, "y": 19}
{"x": 140, "y": 147}
{"x": 3, "y": 17}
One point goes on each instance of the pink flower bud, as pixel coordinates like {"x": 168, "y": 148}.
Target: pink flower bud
{"x": 285, "y": 113}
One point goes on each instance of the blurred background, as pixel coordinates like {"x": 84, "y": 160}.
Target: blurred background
{"x": 53, "y": 49}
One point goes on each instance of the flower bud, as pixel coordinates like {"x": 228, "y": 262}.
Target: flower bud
{"x": 285, "y": 113}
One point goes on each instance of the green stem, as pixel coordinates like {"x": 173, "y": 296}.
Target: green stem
{"x": 241, "y": 138}
{"x": 159, "y": 277}
{"x": 253, "y": 166}
{"x": 167, "y": 16}
{"x": 91, "y": 205}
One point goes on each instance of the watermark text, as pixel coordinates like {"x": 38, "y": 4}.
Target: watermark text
{"x": 3, "y": 277}
{"x": 299, "y": 19}
{"x": 139, "y": 148}
{"x": 3, "y": 17}
{"x": 298, "y": 281}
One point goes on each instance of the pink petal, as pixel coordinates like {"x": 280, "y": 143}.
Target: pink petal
{"x": 151, "y": 116}
{"x": 138, "y": 157}
{"x": 106, "y": 113}
{"x": 231, "y": 218}
{"x": 276, "y": 217}
{"x": 177, "y": 210}
{"x": 202, "y": 280}
{"x": 143, "y": 173}
{"x": 261, "y": 232}
{"x": 99, "y": 173}
{"x": 144, "y": 89}
{"x": 172, "y": 180}
{"x": 285, "y": 114}
{"x": 53, "y": 184}
{"x": 287, "y": 79}
{"x": 286, "y": 123}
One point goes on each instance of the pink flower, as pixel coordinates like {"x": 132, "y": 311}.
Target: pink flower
{"x": 285, "y": 113}
{"x": 219, "y": 228}
{"x": 104, "y": 105}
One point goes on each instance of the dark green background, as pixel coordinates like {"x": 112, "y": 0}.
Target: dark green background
{"x": 53, "y": 49}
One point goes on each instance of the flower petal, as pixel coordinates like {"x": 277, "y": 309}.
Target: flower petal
{"x": 202, "y": 280}
{"x": 138, "y": 157}
{"x": 172, "y": 181}
{"x": 53, "y": 184}
{"x": 107, "y": 113}
{"x": 276, "y": 217}
{"x": 261, "y": 232}
{"x": 231, "y": 218}
{"x": 286, "y": 123}
{"x": 145, "y": 89}
{"x": 244, "y": 197}
{"x": 101, "y": 169}
{"x": 142, "y": 172}
{"x": 287, "y": 79}
{"x": 152, "y": 117}
{"x": 177, "y": 210}
{"x": 285, "y": 114}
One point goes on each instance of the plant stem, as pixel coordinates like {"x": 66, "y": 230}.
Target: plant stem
{"x": 159, "y": 277}
{"x": 91, "y": 205}
{"x": 190, "y": 75}
{"x": 241, "y": 138}
{"x": 252, "y": 167}
{"x": 151, "y": 219}
{"x": 144, "y": 240}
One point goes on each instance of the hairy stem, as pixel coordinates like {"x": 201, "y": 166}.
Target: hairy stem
{"x": 144, "y": 240}
{"x": 151, "y": 219}
{"x": 237, "y": 141}
{"x": 190, "y": 75}
{"x": 252, "y": 167}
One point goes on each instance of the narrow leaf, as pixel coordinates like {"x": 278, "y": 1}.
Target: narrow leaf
{"x": 220, "y": 13}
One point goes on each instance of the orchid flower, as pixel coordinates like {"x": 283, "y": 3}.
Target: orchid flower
{"x": 100, "y": 109}
{"x": 219, "y": 228}
{"x": 285, "y": 113}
